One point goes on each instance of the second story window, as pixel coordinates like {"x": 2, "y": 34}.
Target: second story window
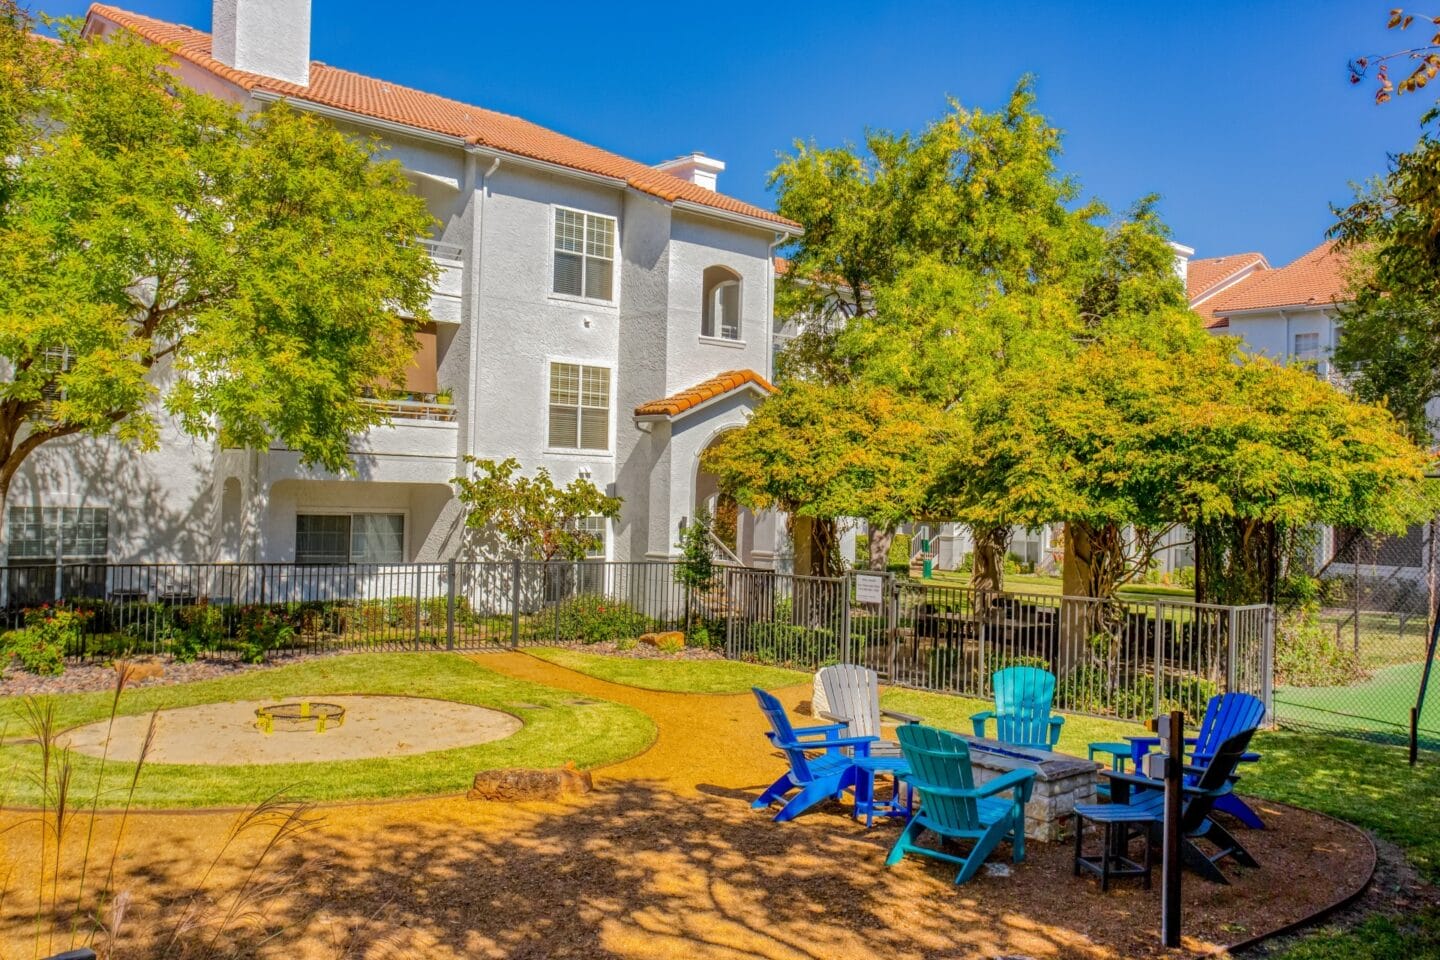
{"x": 584, "y": 255}
{"x": 579, "y": 407}
{"x": 721, "y": 317}
{"x": 1307, "y": 346}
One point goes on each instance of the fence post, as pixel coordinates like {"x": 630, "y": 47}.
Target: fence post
{"x": 1231, "y": 654}
{"x": 1159, "y": 652}
{"x": 515, "y": 603}
{"x": 1267, "y": 664}
{"x": 450, "y": 604}
{"x": 417, "y": 606}
{"x": 59, "y": 590}
{"x": 729, "y": 614}
{"x": 846, "y": 653}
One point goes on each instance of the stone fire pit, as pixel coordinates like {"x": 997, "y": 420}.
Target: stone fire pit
{"x": 1061, "y": 781}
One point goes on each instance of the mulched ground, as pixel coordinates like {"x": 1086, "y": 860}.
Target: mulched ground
{"x": 89, "y": 677}
{"x": 666, "y": 859}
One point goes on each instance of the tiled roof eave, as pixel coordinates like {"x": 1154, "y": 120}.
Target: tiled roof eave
{"x": 1272, "y": 307}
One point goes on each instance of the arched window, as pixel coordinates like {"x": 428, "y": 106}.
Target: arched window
{"x": 722, "y": 304}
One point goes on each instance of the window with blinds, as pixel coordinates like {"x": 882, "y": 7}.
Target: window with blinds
{"x": 584, "y": 255}
{"x": 350, "y": 538}
{"x": 47, "y": 534}
{"x": 579, "y": 407}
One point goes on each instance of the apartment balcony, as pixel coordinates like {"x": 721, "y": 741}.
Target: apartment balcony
{"x": 445, "y": 297}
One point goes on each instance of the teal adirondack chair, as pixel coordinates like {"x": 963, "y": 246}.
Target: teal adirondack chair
{"x": 952, "y": 807}
{"x": 1022, "y": 708}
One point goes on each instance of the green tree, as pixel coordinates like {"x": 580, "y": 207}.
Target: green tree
{"x": 821, "y": 451}
{"x": 1390, "y": 337}
{"x": 696, "y": 569}
{"x": 531, "y": 515}
{"x": 251, "y": 275}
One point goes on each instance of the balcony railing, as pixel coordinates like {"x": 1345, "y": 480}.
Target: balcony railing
{"x": 421, "y": 408}
{"x": 445, "y": 298}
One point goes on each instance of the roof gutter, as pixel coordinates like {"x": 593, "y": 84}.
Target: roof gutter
{"x": 1281, "y": 307}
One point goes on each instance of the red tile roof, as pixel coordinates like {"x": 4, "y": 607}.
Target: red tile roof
{"x": 340, "y": 89}
{"x": 1316, "y": 278}
{"x": 716, "y": 386}
{"x": 1204, "y": 275}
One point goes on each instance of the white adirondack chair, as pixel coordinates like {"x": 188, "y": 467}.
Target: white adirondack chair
{"x": 845, "y": 693}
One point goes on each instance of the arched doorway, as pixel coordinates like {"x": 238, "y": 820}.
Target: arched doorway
{"x": 732, "y": 524}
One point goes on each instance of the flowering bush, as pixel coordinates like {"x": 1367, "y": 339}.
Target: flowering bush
{"x": 260, "y": 630}
{"x": 592, "y": 619}
{"x": 48, "y": 633}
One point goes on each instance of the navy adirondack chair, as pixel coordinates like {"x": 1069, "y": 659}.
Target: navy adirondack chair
{"x": 816, "y": 777}
{"x": 1225, "y": 715}
{"x": 1203, "y": 788}
{"x": 952, "y": 807}
{"x": 1022, "y": 708}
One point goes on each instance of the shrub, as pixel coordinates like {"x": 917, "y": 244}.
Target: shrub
{"x": 195, "y": 629}
{"x": 260, "y": 630}
{"x": 400, "y": 612}
{"x": 900, "y": 551}
{"x": 591, "y": 619}
{"x": 699, "y": 636}
{"x": 370, "y": 617}
{"x": 669, "y": 644}
{"x": 625, "y": 644}
{"x": 1308, "y": 655}
{"x": 48, "y": 635}
{"x": 1088, "y": 689}
{"x": 781, "y": 642}
{"x": 1001, "y": 661}
{"x": 1183, "y": 576}
{"x": 862, "y": 551}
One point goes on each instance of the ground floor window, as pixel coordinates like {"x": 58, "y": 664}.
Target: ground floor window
{"x": 46, "y": 534}
{"x": 349, "y": 538}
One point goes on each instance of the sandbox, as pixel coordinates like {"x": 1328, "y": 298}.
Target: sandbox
{"x": 229, "y": 734}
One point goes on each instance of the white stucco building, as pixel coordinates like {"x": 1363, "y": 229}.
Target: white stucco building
{"x": 595, "y": 316}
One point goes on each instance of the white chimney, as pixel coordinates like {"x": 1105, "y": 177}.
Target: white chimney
{"x": 699, "y": 169}
{"x": 1182, "y": 260}
{"x": 269, "y": 37}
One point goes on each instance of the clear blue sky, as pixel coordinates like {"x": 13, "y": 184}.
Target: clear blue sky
{"x": 1238, "y": 114}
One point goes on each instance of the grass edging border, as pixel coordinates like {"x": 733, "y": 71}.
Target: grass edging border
{"x": 1315, "y": 917}
{"x": 632, "y": 686}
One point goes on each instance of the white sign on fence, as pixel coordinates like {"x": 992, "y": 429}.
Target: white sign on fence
{"x": 869, "y": 589}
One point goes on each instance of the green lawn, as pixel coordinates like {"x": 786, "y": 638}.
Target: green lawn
{"x": 557, "y": 729}
{"x": 673, "y": 676}
{"x": 1378, "y": 705}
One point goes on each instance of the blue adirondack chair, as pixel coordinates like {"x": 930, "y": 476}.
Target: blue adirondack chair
{"x": 816, "y": 777}
{"x": 952, "y": 807}
{"x": 1144, "y": 808}
{"x": 1225, "y": 715}
{"x": 1022, "y": 708}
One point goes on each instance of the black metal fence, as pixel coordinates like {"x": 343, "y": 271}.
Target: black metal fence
{"x": 1123, "y": 658}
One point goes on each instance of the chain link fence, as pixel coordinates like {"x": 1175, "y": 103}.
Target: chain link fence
{"x": 1374, "y": 623}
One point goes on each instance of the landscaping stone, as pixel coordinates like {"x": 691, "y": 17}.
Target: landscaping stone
{"x": 511, "y": 785}
{"x": 1061, "y": 782}
{"x": 671, "y": 637}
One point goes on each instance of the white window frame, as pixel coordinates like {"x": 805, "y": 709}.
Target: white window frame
{"x": 706, "y": 295}
{"x": 579, "y": 452}
{"x": 1305, "y": 355}
{"x": 614, "y": 297}
{"x": 354, "y": 512}
{"x": 59, "y": 555}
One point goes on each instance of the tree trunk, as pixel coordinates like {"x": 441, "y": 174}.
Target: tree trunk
{"x": 987, "y": 563}
{"x": 1237, "y": 561}
{"x": 817, "y": 546}
{"x": 1092, "y": 623}
{"x": 881, "y": 539}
